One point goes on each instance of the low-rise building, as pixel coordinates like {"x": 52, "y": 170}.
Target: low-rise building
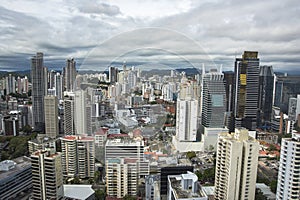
{"x": 185, "y": 186}
{"x": 15, "y": 177}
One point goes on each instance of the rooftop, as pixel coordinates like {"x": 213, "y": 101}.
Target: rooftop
{"x": 124, "y": 142}
{"x": 78, "y": 191}
{"x": 19, "y": 164}
{"x": 180, "y": 192}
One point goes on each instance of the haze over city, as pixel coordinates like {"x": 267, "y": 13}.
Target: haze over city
{"x": 143, "y": 32}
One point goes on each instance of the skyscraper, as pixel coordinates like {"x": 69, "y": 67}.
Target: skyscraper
{"x": 10, "y": 84}
{"x": 38, "y": 91}
{"x": 213, "y": 99}
{"x": 289, "y": 169}
{"x": 113, "y": 74}
{"x": 58, "y": 85}
{"x": 51, "y": 116}
{"x": 187, "y": 120}
{"x": 265, "y": 95}
{"x": 236, "y": 166}
{"x": 70, "y": 74}
{"x": 47, "y": 179}
{"x": 69, "y": 121}
{"x": 80, "y": 114}
{"x": 246, "y": 90}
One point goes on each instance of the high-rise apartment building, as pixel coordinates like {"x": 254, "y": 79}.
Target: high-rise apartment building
{"x": 127, "y": 148}
{"x": 80, "y": 114}
{"x": 246, "y": 90}
{"x": 70, "y": 74}
{"x": 122, "y": 176}
{"x": 187, "y": 120}
{"x": 51, "y": 116}
{"x": 10, "y": 82}
{"x": 289, "y": 170}
{"x": 38, "y": 91}
{"x": 47, "y": 179}
{"x": 78, "y": 156}
{"x": 265, "y": 95}
{"x": 236, "y": 166}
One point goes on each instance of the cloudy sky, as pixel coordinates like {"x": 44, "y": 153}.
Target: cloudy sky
{"x": 175, "y": 33}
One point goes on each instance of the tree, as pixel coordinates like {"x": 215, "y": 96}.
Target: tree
{"x": 100, "y": 194}
{"x": 128, "y": 197}
{"x": 259, "y": 195}
{"x": 191, "y": 154}
{"x": 96, "y": 176}
{"x": 273, "y": 186}
{"x": 27, "y": 129}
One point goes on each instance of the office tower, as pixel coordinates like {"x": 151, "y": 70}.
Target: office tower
{"x": 127, "y": 148}
{"x": 122, "y": 177}
{"x": 38, "y": 91}
{"x": 69, "y": 121}
{"x": 213, "y": 99}
{"x": 70, "y": 74}
{"x": 78, "y": 156}
{"x": 265, "y": 95}
{"x": 186, "y": 120}
{"x": 289, "y": 169}
{"x": 58, "y": 85}
{"x": 47, "y": 179}
{"x": 236, "y": 166}
{"x": 10, "y": 84}
{"x": 229, "y": 85}
{"x": 15, "y": 177}
{"x": 246, "y": 90}
{"x": 113, "y": 74}
{"x": 51, "y": 116}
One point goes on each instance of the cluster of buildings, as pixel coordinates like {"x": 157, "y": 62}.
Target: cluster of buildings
{"x": 103, "y": 118}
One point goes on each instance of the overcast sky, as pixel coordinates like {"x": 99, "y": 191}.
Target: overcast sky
{"x": 171, "y": 32}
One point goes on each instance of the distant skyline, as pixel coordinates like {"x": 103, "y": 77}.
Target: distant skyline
{"x": 173, "y": 33}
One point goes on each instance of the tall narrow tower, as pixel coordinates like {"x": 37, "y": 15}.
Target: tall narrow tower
{"x": 51, "y": 115}
{"x": 187, "y": 120}
{"x": 38, "y": 91}
{"x": 70, "y": 74}
{"x": 265, "y": 98}
{"x": 246, "y": 90}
